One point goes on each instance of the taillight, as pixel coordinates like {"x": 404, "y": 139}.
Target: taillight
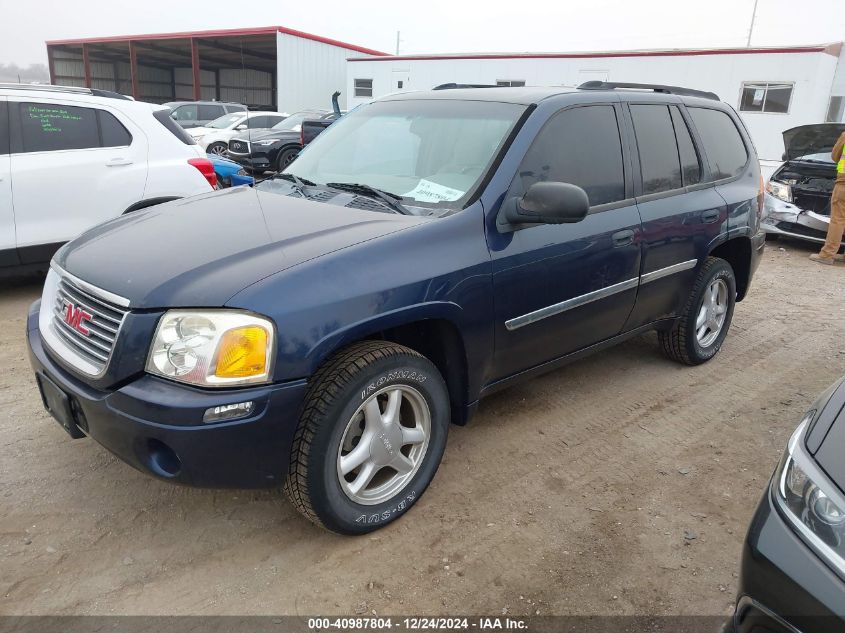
{"x": 206, "y": 169}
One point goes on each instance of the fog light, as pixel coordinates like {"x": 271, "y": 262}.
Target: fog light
{"x": 228, "y": 411}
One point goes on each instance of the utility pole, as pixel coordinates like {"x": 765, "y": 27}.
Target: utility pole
{"x": 397, "y": 42}
{"x": 751, "y": 30}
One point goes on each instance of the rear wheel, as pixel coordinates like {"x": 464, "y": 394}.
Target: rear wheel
{"x": 286, "y": 157}
{"x": 698, "y": 334}
{"x": 218, "y": 149}
{"x": 370, "y": 437}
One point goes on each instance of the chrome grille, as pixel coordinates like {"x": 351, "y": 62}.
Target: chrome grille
{"x": 87, "y": 344}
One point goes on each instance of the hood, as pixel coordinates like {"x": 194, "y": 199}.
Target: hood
{"x": 196, "y": 132}
{"x": 260, "y": 135}
{"x": 201, "y": 251}
{"x": 811, "y": 139}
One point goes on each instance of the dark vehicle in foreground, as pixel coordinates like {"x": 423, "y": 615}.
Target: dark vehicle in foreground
{"x": 276, "y": 148}
{"x": 798, "y": 193}
{"x": 793, "y": 561}
{"x": 321, "y": 330}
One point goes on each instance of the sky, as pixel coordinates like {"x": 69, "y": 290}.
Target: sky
{"x": 439, "y": 26}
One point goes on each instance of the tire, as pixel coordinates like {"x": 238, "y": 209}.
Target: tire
{"x": 355, "y": 378}
{"x": 218, "y": 149}
{"x": 692, "y": 345}
{"x": 286, "y": 157}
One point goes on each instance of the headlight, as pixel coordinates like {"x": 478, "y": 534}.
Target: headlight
{"x": 810, "y": 502}
{"x": 779, "y": 190}
{"x": 268, "y": 141}
{"x": 212, "y": 348}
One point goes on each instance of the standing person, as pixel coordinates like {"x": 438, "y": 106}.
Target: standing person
{"x": 837, "y": 209}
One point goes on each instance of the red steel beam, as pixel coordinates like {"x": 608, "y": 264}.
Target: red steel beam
{"x": 195, "y": 69}
{"x": 133, "y": 70}
{"x": 86, "y": 64}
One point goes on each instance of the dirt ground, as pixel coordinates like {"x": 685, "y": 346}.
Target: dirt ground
{"x": 571, "y": 494}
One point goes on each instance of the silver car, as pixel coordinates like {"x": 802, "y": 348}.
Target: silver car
{"x": 797, "y": 201}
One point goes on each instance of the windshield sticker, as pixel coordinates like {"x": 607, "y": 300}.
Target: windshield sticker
{"x": 428, "y": 191}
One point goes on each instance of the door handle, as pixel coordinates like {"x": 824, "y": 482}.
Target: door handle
{"x": 710, "y": 216}
{"x": 118, "y": 162}
{"x": 623, "y": 238}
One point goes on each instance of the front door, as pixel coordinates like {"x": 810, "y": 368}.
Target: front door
{"x": 74, "y": 167}
{"x": 560, "y": 288}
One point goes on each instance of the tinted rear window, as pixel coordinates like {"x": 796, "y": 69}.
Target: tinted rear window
{"x": 659, "y": 163}
{"x": 690, "y": 165}
{"x": 163, "y": 117}
{"x": 210, "y": 112}
{"x": 4, "y": 128}
{"x": 722, "y": 142}
{"x": 47, "y": 127}
{"x": 112, "y": 132}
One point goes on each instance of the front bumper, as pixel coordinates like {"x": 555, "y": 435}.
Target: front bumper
{"x": 784, "y": 218}
{"x": 258, "y": 162}
{"x": 784, "y": 587}
{"x": 155, "y": 425}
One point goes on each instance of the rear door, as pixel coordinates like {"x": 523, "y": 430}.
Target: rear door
{"x": 8, "y": 254}
{"x": 74, "y": 167}
{"x": 682, "y": 215}
{"x": 560, "y": 288}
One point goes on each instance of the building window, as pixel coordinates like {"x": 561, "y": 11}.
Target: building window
{"x": 363, "y": 87}
{"x": 765, "y": 97}
{"x": 512, "y": 83}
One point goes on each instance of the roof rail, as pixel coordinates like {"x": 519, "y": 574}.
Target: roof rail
{"x": 454, "y": 86}
{"x": 94, "y": 92}
{"x": 672, "y": 90}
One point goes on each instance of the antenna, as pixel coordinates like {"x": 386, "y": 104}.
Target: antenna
{"x": 751, "y": 30}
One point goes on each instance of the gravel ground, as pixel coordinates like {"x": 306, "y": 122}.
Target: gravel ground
{"x": 621, "y": 484}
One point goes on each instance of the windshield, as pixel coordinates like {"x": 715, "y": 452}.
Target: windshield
{"x": 226, "y": 121}
{"x": 432, "y": 152}
{"x": 294, "y": 121}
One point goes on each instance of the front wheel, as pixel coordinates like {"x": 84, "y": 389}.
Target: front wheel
{"x": 286, "y": 157}
{"x": 370, "y": 437}
{"x": 218, "y": 149}
{"x": 698, "y": 334}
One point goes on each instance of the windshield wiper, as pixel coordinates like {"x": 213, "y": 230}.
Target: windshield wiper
{"x": 392, "y": 200}
{"x": 299, "y": 184}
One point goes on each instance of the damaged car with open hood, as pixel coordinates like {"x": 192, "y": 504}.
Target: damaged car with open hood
{"x": 798, "y": 196}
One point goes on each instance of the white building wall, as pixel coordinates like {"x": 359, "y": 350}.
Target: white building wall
{"x": 308, "y": 72}
{"x": 812, "y": 73}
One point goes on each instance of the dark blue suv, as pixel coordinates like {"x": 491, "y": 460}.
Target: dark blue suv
{"x": 320, "y": 331}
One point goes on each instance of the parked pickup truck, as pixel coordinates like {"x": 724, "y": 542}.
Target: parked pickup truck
{"x": 320, "y": 331}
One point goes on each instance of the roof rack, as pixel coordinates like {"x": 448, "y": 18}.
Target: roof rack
{"x": 94, "y": 92}
{"x": 672, "y": 90}
{"x": 454, "y": 86}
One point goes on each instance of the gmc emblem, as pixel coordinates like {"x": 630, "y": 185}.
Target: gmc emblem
{"x": 76, "y": 317}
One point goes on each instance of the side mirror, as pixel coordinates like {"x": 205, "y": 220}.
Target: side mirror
{"x": 242, "y": 126}
{"x": 547, "y": 203}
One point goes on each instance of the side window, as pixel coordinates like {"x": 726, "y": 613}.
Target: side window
{"x": 690, "y": 165}
{"x": 48, "y": 127}
{"x": 363, "y": 87}
{"x": 185, "y": 113}
{"x": 659, "y": 163}
{"x": 210, "y": 112}
{"x": 112, "y": 132}
{"x": 722, "y": 142}
{"x": 272, "y": 120}
{"x": 4, "y": 128}
{"x": 580, "y": 146}
{"x": 236, "y": 108}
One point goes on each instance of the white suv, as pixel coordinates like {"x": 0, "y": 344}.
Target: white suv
{"x": 71, "y": 158}
{"x": 214, "y": 137}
